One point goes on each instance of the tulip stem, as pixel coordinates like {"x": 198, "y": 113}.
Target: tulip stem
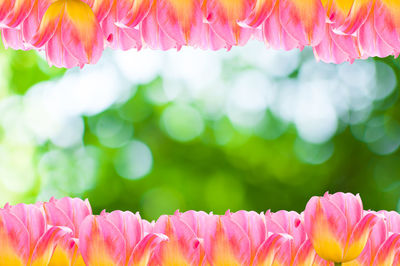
{"x": 338, "y": 264}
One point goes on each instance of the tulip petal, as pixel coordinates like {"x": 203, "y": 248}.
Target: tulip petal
{"x": 19, "y": 13}
{"x": 81, "y": 33}
{"x": 181, "y": 20}
{"x": 134, "y": 11}
{"x": 47, "y": 243}
{"x": 387, "y": 21}
{"x": 275, "y": 35}
{"x": 14, "y": 240}
{"x": 360, "y": 235}
{"x": 356, "y": 18}
{"x": 326, "y": 227}
{"x": 329, "y": 52}
{"x": 274, "y": 251}
{"x": 101, "y": 243}
{"x": 143, "y": 251}
{"x": 388, "y": 251}
{"x": 225, "y": 242}
{"x": 153, "y": 36}
{"x": 129, "y": 225}
{"x": 223, "y": 15}
{"x": 254, "y": 225}
{"x": 260, "y": 11}
{"x": 49, "y": 24}
{"x": 182, "y": 246}
{"x": 304, "y": 20}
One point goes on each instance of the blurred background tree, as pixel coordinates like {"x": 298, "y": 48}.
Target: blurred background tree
{"x": 154, "y": 131}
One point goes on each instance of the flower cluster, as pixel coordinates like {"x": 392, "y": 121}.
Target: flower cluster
{"x": 75, "y": 32}
{"x": 333, "y": 229}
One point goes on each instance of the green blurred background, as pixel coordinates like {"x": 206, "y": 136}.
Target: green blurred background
{"x": 154, "y": 131}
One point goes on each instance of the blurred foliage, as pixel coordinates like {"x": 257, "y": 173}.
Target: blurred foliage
{"x": 158, "y": 156}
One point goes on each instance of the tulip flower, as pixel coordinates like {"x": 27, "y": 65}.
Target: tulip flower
{"x": 304, "y": 20}
{"x": 337, "y": 227}
{"x": 25, "y": 238}
{"x": 223, "y": 17}
{"x": 70, "y": 33}
{"x": 225, "y": 242}
{"x": 289, "y": 223}
{"x": 153, "y": 35}
{"x": 70, "y": 213}
{"x": 255, "y": 227}
{"x": 182, "y": 247}
{"x": 275, "y": 36}
{"x": 116, "y": 238}
{"x": 371, "y": 43}
{"x": 336, "y": 48}
{"x": 119, "y": 21}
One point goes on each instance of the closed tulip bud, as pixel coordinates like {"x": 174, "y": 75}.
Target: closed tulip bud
{"x": 337, "y": 227}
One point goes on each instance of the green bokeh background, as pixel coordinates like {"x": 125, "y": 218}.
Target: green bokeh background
{"x": 198, "y": 162}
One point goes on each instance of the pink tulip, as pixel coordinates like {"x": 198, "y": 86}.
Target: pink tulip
{"x": 182, "y": 247}
{"x": 289, "y": 223}
{"x": 225, "y": 242}
{"x": 223, "y": 17}
{"x": 336, "y": 48}
{"x": 304, "y": 20}
{"x": 181, "y": 20}
{"x": 254, "y": 226}
{"x": 67, "y": 212}
{"x": 371, "y": 43}
{"x": 337, "y": 227}
{"x": 70, "y": 33}
{"x": 25, "y": 238}
{"x": 116, "y": 238}
{"x": 275, "y": 36}
{"x": 153, "y": 35}
{"x": 120, "y": 21}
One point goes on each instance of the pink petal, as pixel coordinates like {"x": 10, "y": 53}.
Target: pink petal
{"x": 387, "y": 22}
{"x": 274, "y": 251}
{"x": 261, "y": 10}
{"x": 388, "y": 251}
{"x": 101, "y": 243}
{"x": 130, "y": 225}
{"x": 254, "y": 225}
{"x": 223, "y": 17}
{"x": 225, "y": 242}
{"x": 326, "y": 226}
{"x": 80, "y": 33}
{"x": 45, "y": 247}
{"x": 303, "y": 20}
{"x": 143, "y": 251}
{"x": 14, "y": 240}
{"x": 360, "y": 235}
{"x": 153, "y": 35}
{"x": 275, "y": 35}
{"x": 181, "y": 247}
